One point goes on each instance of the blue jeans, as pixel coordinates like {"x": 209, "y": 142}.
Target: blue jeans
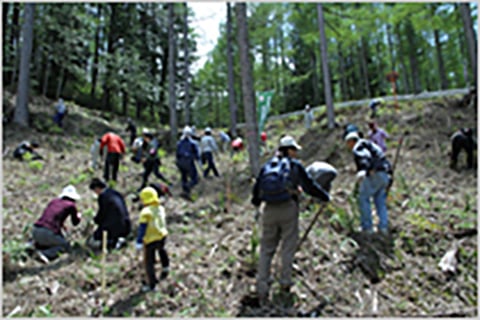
{"x": 373, "y": 186}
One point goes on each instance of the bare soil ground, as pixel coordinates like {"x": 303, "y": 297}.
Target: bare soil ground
{"x": 338, "y": 271}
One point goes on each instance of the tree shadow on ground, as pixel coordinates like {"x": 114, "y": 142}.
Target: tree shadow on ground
{"x": 373, "y": 249}
{"x": 124, "y": 307}
{"x": 77, "y": 253}
{"x": 279, "y": 306}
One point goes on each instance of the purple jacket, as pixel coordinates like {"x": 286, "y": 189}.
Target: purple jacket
{"x": 378, "y": 137}
{"x": 55, "y": 214}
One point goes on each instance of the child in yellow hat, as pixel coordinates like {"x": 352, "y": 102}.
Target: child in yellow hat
{"x": 152, "y": 234}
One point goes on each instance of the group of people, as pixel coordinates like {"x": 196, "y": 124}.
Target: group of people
{"x": 113, "y": 218}
{"x": 279, "y": 185}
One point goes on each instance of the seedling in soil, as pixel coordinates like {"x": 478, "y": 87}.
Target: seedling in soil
{"x": 35, "y": 165}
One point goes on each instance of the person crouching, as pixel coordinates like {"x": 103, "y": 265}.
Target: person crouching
{"x": 152, "y": 235}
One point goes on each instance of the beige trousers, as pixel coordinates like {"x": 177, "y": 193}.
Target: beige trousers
{"x": 279, "y": 223}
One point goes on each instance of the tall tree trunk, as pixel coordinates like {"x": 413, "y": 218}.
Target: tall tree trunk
{"x": 284, "y": 67}
{"x": 218, "y": 105}
{"x": 107, "y": 90}
{"x": 5, "y": 8}
{"x": 187, "y": 64}
{"x": 441, "y": 65}
{"x": 21, "y": 116}
{"x": 163, "y": 82}
{"x": 412, "y": 55}
{"x": 342, "y": 74}
{"x": 390, "y": 46}
{"x": 364, "y": 67}
{"x": 138, "y": 109}
{"x": 124, "y": 102}
{"x": 231, "y": 78}
{"x": 96, "y": 54}
{"x": 249, "y": 102}
{"x": 276, "y": 71}
{"x": 171, "y": 75}
{"x": 315, "y": 80}
{"x": 401, "y": 54}
{"x": 266, "y": 72}
{"x": 326, "y": 73}
{"x": 46, "y": 76}
{"x": 59, "y": 83}
{"x": 14, "y": 45}
{"x": 471, "y": 41}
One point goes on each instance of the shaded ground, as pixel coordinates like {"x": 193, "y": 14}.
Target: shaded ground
{"x": 338, "y": 272}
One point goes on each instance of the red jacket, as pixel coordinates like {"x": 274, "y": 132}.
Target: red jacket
{"x": 263, "y": 136}
{"x": 113, "y": 142}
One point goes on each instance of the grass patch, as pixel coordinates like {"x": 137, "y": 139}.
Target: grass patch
{"x": 82, "y": 177}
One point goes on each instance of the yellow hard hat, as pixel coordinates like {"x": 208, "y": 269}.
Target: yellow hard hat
{"x": 149, "y": 196}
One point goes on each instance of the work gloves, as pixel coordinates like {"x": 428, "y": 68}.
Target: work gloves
{"x": 257, "y": 214}
{"x": 361, "y": 174}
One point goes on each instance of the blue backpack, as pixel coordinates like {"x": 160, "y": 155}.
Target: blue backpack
{"x": 185, "y": 149}
{"x": 275, "y": 184}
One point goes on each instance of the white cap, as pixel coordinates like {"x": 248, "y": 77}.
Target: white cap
{"x": 145, "y": 131}
{"x": 187, "y": 131}
{"x": 208, "y": 129}
{"x": 352, "y": 135}
{"x": 70, "y": 192}
{"x": 288, "y": 141}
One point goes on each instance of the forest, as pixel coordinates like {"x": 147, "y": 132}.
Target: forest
{"x": 113, "y": 61}
{"x": 134, "y": 59}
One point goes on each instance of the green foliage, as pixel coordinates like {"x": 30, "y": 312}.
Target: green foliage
{"x": 161, "y": 153}
{"x": 15, "y": 250}
{"x": 81, "y": 178}
{"x": 422, "y": 223}
{"x": 35, "y": 165}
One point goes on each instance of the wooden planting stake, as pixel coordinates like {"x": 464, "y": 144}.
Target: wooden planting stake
{"x": 104, "y": 255}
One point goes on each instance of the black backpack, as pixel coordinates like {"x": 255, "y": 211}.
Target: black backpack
{"x": 275, "y": 183}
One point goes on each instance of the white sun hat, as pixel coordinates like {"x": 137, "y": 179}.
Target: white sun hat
{"x": 352, "y": 135}
{"x": 288, "y": 141}
{"x": 70, "y": 192}
{"x": 187, "y": 131}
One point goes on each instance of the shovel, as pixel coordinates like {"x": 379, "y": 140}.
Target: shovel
{"x": 397, "y": 154}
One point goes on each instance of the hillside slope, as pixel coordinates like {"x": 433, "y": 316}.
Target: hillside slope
{"x": 210, "y": 243}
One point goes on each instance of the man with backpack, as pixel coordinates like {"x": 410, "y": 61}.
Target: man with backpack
{"x": 463, "y": 139}
{"x": 374, "y": 175}
{"x": 151, "y": 162}
{"x": 278, "y": 185}
{"x": 187, "y": 153}
{"x": 27, "y": 147}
